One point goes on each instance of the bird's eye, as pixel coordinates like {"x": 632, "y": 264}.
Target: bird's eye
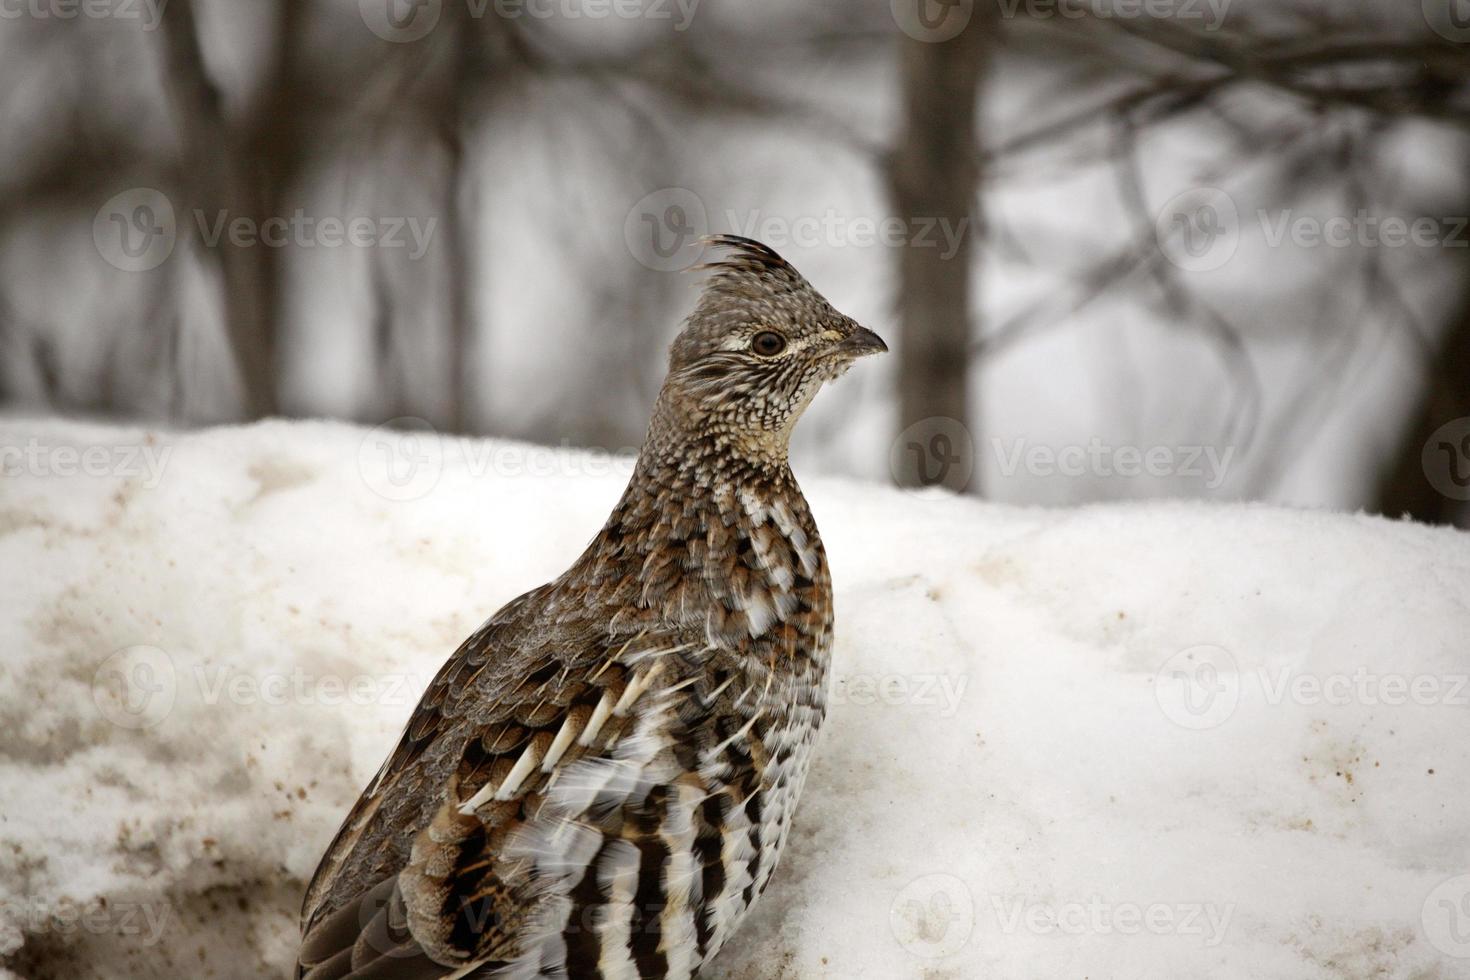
{"x": 768, "y": 343}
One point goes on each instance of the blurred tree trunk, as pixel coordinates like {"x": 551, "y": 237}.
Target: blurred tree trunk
{"x": 446, "y": 84}
{"x": 11, "y": 357}
{"x": 1445, "y": 396}
{"x": 461, "y": 217}
{"x": 240, "y": 171}
{"x": 459, "y": 197}
{"x": 933, "y": 175}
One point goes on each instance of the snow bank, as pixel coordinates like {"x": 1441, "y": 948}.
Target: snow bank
{"x": 1160, "y": 741}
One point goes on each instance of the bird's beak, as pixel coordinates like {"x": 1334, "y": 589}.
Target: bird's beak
{"x": 862, "y": 342}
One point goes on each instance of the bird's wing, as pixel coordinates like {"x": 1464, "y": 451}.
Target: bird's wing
{"x": 488, "y": 811}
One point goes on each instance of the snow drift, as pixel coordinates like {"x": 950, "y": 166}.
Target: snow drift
{"x": 1158, "y": 741}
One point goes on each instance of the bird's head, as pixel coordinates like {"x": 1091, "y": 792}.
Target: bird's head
{"x": 753, "y": 354}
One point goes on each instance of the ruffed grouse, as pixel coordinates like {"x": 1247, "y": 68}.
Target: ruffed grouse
{"x": 600, "y": 781}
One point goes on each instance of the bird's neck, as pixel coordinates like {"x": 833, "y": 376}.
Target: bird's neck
{"x": 712, "y": 542}
{"x": 689, "y": 441}
{"x": 703, "y": 481}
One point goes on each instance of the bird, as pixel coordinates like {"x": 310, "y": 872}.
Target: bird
{"x": 601, "y": 779}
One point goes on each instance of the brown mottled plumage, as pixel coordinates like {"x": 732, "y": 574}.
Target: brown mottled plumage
{"x": 599, "y": 782}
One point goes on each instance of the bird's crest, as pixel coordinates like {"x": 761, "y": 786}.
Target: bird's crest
{"x": 747, "y": 260}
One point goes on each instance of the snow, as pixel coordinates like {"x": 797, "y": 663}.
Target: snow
{"x": 1172, "y": 740}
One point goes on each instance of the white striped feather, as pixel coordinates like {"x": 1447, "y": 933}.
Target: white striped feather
{"x": 617, "y": 873}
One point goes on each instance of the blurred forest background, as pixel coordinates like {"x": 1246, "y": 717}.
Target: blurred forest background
{"x": 1121, "y": 248}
